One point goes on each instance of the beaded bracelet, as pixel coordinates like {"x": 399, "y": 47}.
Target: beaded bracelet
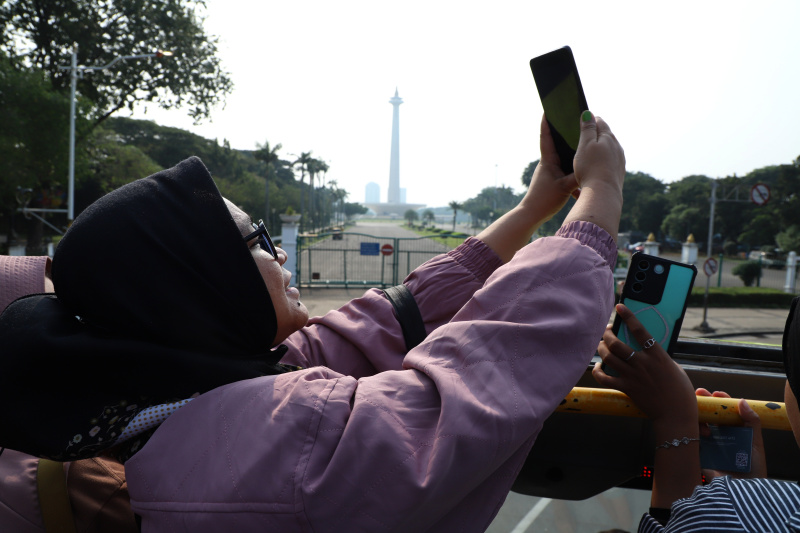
{"x": 675, "y": 443}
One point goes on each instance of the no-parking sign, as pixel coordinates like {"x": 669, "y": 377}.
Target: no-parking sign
{"x": 710, "y": 266}
{"x": 759, "y": 193}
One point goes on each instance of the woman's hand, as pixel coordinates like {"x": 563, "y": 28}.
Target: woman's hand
{"x": 659, "y": 387}
{"x": 550, "y": 188}
{"x": 599, "y": 159}
{"x": 656, "y": 384}
{"x": 599, "y": 170}
{"x": 758, "y": 461}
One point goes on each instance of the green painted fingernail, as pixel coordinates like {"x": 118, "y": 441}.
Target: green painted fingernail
{"x": 587, "y": 116}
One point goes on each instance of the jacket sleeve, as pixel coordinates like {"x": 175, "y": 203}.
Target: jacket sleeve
{"x": 364, "y": 337}
{"x": 433, "y": 447}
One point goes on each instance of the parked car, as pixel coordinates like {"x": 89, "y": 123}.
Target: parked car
{"x": 767, "y": 259}
{"x": 636, "y": 247}
{"x": 671, "y": 244}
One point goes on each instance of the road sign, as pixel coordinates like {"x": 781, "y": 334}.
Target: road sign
{"x": 387, "y": 249}
{"x": 710, "y": 266}
{"x": 369, "y": 248}
{"x": 759, "y": 193}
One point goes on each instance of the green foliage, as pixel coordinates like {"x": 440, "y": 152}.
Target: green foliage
{"x": 743, "y": 297}
{"x": 352, "y": 209}
{"x": 730, "y": 248}
{"x": 490, "y": 204}
{"x": 688, "y": 203}
{"x": 692, "y": 191}
{"x": 760, "y": 229}
{"x": 33, "y": 141}
{"x": 789, "y": 239}
{"x": 644, "y": 198}
{"x": 527, "y": 174}
{"x": 106, "y": 30}
{"x": 110, "y": 166}
{"x": 410, "y": 215}
{"x": 455, "y": 206}
{"x": 748, "y": 272}
{"x": 684, "y": 220}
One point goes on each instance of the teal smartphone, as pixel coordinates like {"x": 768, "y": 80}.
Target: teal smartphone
{"x": 657, "y": 291}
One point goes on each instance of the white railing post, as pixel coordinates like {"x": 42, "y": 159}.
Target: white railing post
{"x": 289, "y": 233}
{"x": 791, "y": 269}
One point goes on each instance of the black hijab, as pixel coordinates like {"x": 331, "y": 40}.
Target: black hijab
{"x": 157, "y": 298}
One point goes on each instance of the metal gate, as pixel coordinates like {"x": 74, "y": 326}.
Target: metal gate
{"x": 358, "y": 259}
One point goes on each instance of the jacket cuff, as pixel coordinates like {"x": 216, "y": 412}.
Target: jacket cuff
{"x": 593, "y": 236}
{"x": 477, "y": 257}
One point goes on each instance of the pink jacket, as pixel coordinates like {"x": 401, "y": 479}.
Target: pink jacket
{"x": 378, "y": 441}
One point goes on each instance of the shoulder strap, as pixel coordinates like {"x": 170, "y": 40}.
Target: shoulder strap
{"x": 53, "y": 497}
{"x": 407, "y": 314}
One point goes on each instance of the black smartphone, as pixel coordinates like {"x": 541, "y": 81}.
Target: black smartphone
{"x": 561, "y": 93}
{"x": 657, "y": 291}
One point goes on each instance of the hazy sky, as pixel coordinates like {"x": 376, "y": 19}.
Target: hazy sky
{"x": 696, "y": 87}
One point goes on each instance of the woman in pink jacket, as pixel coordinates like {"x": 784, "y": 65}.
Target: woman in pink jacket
{"x": 367, "y": 436}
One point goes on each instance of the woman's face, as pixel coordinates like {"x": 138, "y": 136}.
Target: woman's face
{"x": 291, "y": 314}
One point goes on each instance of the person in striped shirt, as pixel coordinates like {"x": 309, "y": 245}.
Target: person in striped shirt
{"x": 679, "y": 502}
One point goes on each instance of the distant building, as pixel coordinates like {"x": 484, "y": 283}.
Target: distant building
{"x": 402, "y": 195}
{"x": 373, "y": 193}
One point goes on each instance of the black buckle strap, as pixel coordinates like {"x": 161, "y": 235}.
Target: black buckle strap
{"x": 405, "y": 307}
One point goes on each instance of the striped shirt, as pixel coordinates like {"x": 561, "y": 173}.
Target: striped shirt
{"x": 733, "y": 505}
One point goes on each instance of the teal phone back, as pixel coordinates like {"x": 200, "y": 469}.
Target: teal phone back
{"x": 663, "y": 319}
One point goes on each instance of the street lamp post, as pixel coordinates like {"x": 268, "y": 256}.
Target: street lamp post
{"x": 74, "y": 70}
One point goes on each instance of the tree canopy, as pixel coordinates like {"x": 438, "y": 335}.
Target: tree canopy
{"x": 41, "y": 35}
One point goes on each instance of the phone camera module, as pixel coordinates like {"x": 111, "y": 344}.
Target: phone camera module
{"x": 644, "y": 265}
{"x": 640, "y": 276}
{"x": 658, "y": 269}
{"x": 637, "y": 287}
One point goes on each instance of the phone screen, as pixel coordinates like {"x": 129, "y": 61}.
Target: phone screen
{"x": 562, "y": 97}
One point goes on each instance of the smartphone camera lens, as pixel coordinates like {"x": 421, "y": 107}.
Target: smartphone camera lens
{"x": 637, "y": 287}
{"x": 658, "y": 269}
{"x": 640, "y": 276}
{"x": 644, "y": 265}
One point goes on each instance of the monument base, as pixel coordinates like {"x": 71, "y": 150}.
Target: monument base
{"x": 388, "y": 210}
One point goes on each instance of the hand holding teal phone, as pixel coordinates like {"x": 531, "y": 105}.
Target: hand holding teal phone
{"x": 657, "y": 291}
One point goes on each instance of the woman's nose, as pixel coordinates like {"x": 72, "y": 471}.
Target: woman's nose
{"x": 282, "y": 257}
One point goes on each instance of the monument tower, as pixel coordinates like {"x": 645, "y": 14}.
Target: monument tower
{"x": 394, "y": 164}
{"x": 395, "y": 206}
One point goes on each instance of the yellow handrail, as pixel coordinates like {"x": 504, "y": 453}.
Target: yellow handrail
{"x": 720, "y": 411}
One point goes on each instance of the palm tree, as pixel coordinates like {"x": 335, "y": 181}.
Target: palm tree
{"x": 339, "y": 196}
{"x": 410, "y": 215}
{"x": 302, "y": 162}
{"x": 455, "y": 206}
{"x": 315, "y": 166}
{"x": 428, "y": 216}
{"x": 270, "y": 157}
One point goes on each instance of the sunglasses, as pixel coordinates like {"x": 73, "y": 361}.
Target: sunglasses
{"x": 264, "y": 240}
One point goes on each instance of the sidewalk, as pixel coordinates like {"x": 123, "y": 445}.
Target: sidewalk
{"x": 744, "y": 325}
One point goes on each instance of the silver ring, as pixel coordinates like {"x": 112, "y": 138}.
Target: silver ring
{"x": 649, "y": 343}
{"x": 631, "y": 355}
